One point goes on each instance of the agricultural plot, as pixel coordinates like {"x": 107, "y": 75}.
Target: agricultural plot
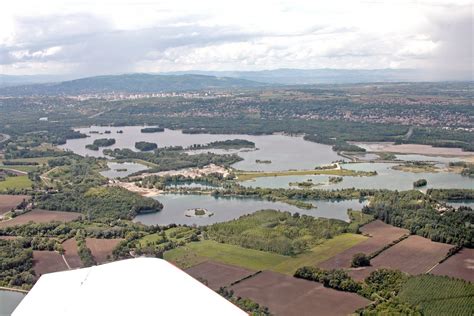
{"x": 216, "y": 275}
{"x": 286, "y": 295}
{"x": 414, "y": 255}
{"x": 47, "y": 262}
{"x": 461, "y": 265}
{"x": 381, "y": 235}
{"x": 70, "y": 253}
{"x": 102, "y": 248}
{"x": 40, "y": 216}
{"x": 9, "y": 202}
{"x": 198, "y": 252}
{"x": 18, "y": 182}
{"x": 439, "y": 295}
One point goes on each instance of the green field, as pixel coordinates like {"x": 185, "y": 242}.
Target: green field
{"x": 439, "y": 295}
{"x": 18, "y": 182}
{"x": 197, "y": 252}
{"x": 244, "y": 176}
{"x": 320, "y": 253}
{"x": 39, "y": 160}
{"x": 19, "y": 167}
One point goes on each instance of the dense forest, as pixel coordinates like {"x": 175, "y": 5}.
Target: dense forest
{"x": 274, "y": 231}
{"x": 174, "y": 158}
{"x": 416, "y": 212}
{"x": 99, "y": 202}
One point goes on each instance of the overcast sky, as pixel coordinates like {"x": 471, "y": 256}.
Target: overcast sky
{"x": 121, "y": 36}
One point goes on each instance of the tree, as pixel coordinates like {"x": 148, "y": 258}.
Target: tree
{"x": 360, "y": 260}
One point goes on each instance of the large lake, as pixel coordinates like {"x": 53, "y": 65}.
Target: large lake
{"x": 285, "y": 152}
{"x": 9, "y": 300}
{"x": 225, "y": 209}
{"x": 387, "y": 178}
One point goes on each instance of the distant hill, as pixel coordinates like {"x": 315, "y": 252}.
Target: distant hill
{"x": 132, "y": 83}
{"x": 12, "y": 80}
{"x": 318, "y": 76}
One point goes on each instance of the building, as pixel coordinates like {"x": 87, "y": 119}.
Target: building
{"x": 141, "y": 286}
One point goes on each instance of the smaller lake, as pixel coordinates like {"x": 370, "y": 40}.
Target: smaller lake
{"x": 9, "y": 300}
{"x": 386, "y": 178}
{"x": 122, "y": 169}
{"x": 228, "y": 208}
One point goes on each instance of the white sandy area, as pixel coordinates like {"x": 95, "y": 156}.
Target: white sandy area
{"x": 189, "y": 172}
{"x": 414, "y": 149}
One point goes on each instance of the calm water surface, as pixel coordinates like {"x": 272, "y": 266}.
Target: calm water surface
{"x": 9, "y": 300}
{"x": 285, "y": 152}
{"x": 387, "y": 178}
{"x": 226, "y": 209}
{"x": 116, "y": 169}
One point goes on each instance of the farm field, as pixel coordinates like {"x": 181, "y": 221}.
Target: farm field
{"x": 414, "y": 255}
{"x": 41, "y": 216}
{"x": 320, "y": 253}
{"x": 439, "y": 295}
{"x": 7, "y": 202}
{"x": 286, "y": 295}
{"x": 381, "y": 235}
{"x": 47, "y": 262}
{"x": 216, "y": 275}
{"x": 461, "y": 265}
{"x": 198, "y": 252}
{"x": 71, "y": 255}
{"x": 101, "y": 248}
{"x": 18, "y": 182}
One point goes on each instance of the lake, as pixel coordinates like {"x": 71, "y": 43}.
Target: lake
{"x": 387, "y": 178}
{"x": 227, "y": 208}
{"x": 9, "y": 300}
{"x": 285, "y": 152}
{"x": 122, "y": 169}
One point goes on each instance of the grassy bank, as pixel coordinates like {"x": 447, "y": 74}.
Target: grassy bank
{"x": 244, "y": 176}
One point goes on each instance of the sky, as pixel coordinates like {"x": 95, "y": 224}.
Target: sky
{"x": 123, "y": 36}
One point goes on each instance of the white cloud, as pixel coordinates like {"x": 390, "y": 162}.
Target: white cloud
{"x": 115, "y": 36}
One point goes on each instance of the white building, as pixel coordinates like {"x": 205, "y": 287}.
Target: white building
{"x": 142, "y": 286}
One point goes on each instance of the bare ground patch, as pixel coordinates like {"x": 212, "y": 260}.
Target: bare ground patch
{"x": 286, "y": 295}
{"x": 41, "y": 216}
{"x": 414, "y": 255}
{"x": 47, "y": 262}
{"x": 101, "y": 248}
{"x": 9, "y": 202}
{"x": 71, "y": 254}
{"x": 461, "y": 265}
{"x": 216, "y": 275}
{"x": 381, "y": 234}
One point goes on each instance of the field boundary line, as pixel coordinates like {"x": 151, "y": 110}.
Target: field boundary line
{"x": 12, "y": 289}
{"x": 65, "y": 261}
{"x": 387, "y": 246}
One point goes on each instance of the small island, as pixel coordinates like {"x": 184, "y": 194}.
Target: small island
{"x": 198, "y": 212}
{"x": 304, "y": 184}
{"x": 263, "y": 161}
{"x": 145, "y": 146}
{"x": 334, "y": 180}
{"x": 152, "y": 130}
{"x": 101, "y": 142}
{"x": 225, "y": 144}
{"x": 420, "y": 183}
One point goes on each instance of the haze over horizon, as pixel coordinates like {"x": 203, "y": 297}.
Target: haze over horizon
{"x": 82, "y": 38}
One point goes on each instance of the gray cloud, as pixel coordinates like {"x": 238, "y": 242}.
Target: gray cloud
{"x": 95, "y": 47}
{"x": 453, "y": 33}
